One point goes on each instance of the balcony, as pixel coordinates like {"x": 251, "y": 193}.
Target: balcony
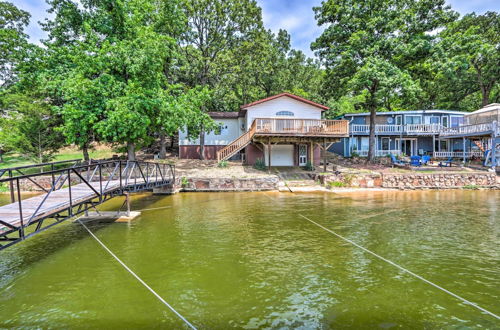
{"x": 486, "y": 129}
{"x": 301, "y": 127}
{"x": 409, "y": 129}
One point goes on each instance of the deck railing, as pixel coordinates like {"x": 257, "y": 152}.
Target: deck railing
{"x": 397, "y": 129}
{"x": 242, "y": 141}
{"x": 458, "y": 154}
{"x": 378, "y": 153}
{"x": 312, "y": 127}
{"x": 487, "y": 128}
{"x": 423, "y": 128}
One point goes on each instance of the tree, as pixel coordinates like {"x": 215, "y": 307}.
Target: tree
{"x": 467, "y": 58}
{"x": 366, "y": 48}
{"x": 33, "y": 129}
{"x": 13, "y": 41}
{"x": 119, "y": 60}
{"x": 216, "y": 29}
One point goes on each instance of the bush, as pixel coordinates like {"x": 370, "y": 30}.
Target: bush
{"x": 336, "y": 184}
{"x": 354, "y": 154}
{"x": 184, "y": 182}
{"x": 223, "y": 164}
{"x": 260, "y": 164}
{"x": 309, "y": 166}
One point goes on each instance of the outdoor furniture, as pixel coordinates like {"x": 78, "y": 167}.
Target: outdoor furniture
{"x": 426, "y": 159}
{"x": 397, "y": 162}
{"x": 446, "y": 163}
{"x": 415, "y": 161}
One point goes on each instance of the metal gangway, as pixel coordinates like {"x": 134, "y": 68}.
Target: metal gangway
{"x": 70, "y": 188}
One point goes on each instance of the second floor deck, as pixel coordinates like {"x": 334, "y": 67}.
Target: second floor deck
{"x": 408, "y": 129}
{"x": 301, "y": 127}
{"x": 486, "y": 129}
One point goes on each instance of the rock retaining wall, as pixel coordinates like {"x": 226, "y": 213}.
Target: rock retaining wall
{"x": 221, "y": 184}
{"x": 415, "y": 180}
{"x": 439, "y": 180}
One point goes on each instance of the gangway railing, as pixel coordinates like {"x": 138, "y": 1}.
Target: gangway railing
{"x": 70, "y": 191}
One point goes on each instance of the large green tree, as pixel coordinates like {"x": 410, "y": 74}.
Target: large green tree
{"x": 13, "y": 41}
{"x": 467, "y": 61}
{"x": 367, "y": 46}
{"x": 216, "y": 30}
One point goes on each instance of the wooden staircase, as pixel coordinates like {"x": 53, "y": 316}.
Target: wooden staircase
{"x": 480, "y": 145}
{"x": 241, "y": 142}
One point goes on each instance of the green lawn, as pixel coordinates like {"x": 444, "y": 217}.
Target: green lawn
{"x": 14, "y": 160}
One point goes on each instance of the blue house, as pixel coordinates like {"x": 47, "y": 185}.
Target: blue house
{"x": 407, "y": 133}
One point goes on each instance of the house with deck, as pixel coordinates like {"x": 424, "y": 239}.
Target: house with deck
{"x": 407, "y": 133}
{"x": 282, "y": 130}
{"x": 481, "y": 129}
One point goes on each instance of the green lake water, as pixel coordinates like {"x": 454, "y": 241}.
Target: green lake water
{"x": 250, "y": 260}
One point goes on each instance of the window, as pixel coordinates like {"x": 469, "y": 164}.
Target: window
{"x": 434, "y": 120}
{"x": 456, "y": 121}
{"x": 285, "y": 113}
{"x": 399, "y": 120}
{"x": 365, "y": 143}
{"x": 385, "y": 143}
{"x": 444, "y": 121}
{"x": 413, "y": 120}
{"x": 443, "y": 145}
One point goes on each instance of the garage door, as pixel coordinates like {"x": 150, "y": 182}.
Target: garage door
{"x": 281, "y": 155}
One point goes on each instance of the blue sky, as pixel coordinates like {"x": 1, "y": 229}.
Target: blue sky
{"x": 295, "y": 16}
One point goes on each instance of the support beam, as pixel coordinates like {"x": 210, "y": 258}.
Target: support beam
{"x": 269, "y": 154}
{"x": 463, "y": 148}
{"x": 324, "y": 155}
{"x": 311, "y": 153}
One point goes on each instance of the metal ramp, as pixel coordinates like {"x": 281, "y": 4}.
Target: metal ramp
{"x": 70, "y": 191}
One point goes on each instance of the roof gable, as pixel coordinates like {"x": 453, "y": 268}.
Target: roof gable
{"x": 295, "y": 97}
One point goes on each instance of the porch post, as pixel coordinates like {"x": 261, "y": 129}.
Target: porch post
{"x": 269, "y": 153}
{"x": 463, "y": 148}
{"x": 433, "y": 144}
{"x": 311, "y": 154}
{"x": 324, "y": 154}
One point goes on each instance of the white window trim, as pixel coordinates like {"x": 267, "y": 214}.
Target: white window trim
{"x": 454, "y": 116}
{"x": 434, "y": 116}
{"x": 382, "y": 143}
{"x": 406, "y": 116}
{"x": 400, "y": 117}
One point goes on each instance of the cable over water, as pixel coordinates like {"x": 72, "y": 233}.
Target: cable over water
{"x": 137, "y": 277}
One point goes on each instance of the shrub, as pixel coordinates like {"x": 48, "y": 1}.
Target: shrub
{"x": 184, "y": 182}
{"x": 336, "y": 184}
{"x": 4, "y": 187}
{"x": 309, "y": 166}
{"x": 260, "y": 164}
{"x": 354, "y": 154}
{"x": 223, "y": 164}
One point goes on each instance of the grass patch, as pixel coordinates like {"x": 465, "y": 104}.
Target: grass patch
{"x": 471, "y": 187}
{"x": 336, "y": 184}
{"x": 15, "y": 160}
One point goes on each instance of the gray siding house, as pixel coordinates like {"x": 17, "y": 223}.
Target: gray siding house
{"x": 405, "y": 133}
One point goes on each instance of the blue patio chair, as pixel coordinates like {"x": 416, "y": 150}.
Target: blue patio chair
{"x": 415, "y": 161}
{"x": 397, "y": 162}
{"x": 446, "y": 163}
{"x": 426, "y": 159}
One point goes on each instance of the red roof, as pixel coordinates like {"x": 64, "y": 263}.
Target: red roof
{"x": 298, "y": 98}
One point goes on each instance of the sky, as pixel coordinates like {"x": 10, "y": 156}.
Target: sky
{"x": 295, "y": 16}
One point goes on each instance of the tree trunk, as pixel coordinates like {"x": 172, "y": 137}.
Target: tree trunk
{"x": 486, "y": 96}
{"x": 163, "y": 146}
{"x": 202, "y": 144}
{"x": 85, "y": 150}
{"x": 371, "y": 141}
{"x": 130, "y": 151}
{"x": 1, "y": 156}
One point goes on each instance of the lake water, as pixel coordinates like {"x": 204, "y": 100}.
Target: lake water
{"x": 250, "y": 260}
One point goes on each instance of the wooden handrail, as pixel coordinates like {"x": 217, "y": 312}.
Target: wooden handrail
{"x": 238, "y": 144}
{"x": 314, "y": 127}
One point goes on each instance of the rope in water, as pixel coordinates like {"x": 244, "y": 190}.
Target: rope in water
{"x": 138, "y": 278}
{"x": 400, "y": 267}
{"x": 403, "y": 269}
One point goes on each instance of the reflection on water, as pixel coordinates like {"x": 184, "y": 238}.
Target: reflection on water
{"x": 249, "y": 261}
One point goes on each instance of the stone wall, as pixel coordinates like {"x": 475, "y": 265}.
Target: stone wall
{"x": 415, "y": 180}
{"x": 351, "y": 180}
{"x": 220, "y": 184}
{"x": 439, "y": 180}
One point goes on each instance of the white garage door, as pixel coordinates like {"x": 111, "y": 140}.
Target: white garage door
{"x": 281, "y": 155}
